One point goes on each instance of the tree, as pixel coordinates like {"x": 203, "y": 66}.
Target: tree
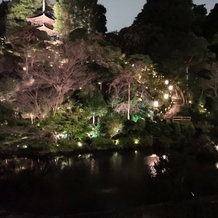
{"x": 211, "y": 29}
{"x": 54, "y": 77}
{"x": 70, "y": 120}
{"x": 130, "y": 82}
{"x": 200, "y": 18}
{"x": 72, "y": 15}
{"x": 167, "y": 14}
{"x": 25, "y": 44}
{"x": 3, "y": 11}
{"x": 170, "y": 42}
{"x": 210, "y": 86}
{"x": 94, "y": 103}
{"x": 18, "y": 10}
{"x": 211, "y": 24}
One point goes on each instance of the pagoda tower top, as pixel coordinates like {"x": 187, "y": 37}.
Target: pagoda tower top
{"x": 43, "y": 6}
{"x": 42, "y": 21}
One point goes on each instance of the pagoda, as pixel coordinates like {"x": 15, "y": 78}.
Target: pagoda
{"x": 43, "y": 21}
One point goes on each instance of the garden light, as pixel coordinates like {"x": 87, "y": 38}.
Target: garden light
{"x": 156, "y": 103}
{"x": 170, "y": 87}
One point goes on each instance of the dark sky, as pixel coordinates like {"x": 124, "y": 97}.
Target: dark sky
{"x": 121, "y": 13}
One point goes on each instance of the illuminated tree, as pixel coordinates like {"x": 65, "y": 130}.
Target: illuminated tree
{"x": 53, "y": 77}
{"x": 85, "y": 14}
{"x": 94, "y": 103}
{"x": 18, "y": 10}
{"x": 130, "y": 82}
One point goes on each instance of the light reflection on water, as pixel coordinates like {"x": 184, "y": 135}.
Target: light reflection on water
{"x": 151, "y": 161}
{"x": 84, "y": 182}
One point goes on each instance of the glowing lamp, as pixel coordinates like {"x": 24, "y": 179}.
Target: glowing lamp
{"x": 170, "y": 87}
{"x": 156, "y": 103}
{"x": 79, "y": 144}
{"x": 166, "y": 96}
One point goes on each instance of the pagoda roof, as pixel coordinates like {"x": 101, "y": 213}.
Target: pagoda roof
{"x": 41, "y": 19}
{"x": 49, "y": 31}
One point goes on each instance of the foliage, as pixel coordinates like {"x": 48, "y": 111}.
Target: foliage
{"x": 131, "y": 126}
{"x": 127, "y": 142}
{"x": 101, "y": 143}
{"x": 111, "y": 124}
{"x": 94, "y": 103}
{"x": 70, "y": 121}
{"x": 7, "y": 113}
{"x": 187, "y": 129}
{"x": 146, "y": 141}
{"x": 17, "y": 13}
{"x": 82, "y": 84}
{"x": 67, "y": 145}
{"x": 72, "y": 15}
{"x": 42, "y": 81}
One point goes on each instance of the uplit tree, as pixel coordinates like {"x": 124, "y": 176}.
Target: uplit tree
{"x": 94, "y": 103}
{"x": 55, "y": 74}
{"x": 130, "y": 83}
{"x": 18, "y": 10}
{"x": 84, "y": 14}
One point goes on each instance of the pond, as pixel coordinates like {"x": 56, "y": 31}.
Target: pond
{"x": 97, "y": 182}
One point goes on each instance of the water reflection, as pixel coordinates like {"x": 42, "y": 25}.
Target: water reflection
{"x": 92, "y": 182}
{"x": 151, "y": 161}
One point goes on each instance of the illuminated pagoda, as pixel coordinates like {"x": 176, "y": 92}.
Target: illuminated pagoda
{"x": 43, "y": 21}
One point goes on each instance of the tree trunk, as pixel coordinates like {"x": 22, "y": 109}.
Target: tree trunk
{"x": 128, "y": 109}
{"x": 93, "y": 119}
{"x": 186, "y": 71}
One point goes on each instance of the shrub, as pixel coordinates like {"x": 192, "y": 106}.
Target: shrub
{"x": 187, "y": 129}
{"x": 127, "y": 142}
{"x": 67, "y": 143}
{"x": 111, "y": 124}
{"x": 176, "y": 129}
{"x": 102, "y": 143}
{"x": 129, "y": 125}
{"x": 163, "y": 142}
{"x": 146, "y": 141}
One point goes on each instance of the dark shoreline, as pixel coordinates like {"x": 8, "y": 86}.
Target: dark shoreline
{"x": 196, "y": 208}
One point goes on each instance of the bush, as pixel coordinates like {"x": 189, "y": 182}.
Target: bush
{"x": 127, "y": 142}
{"x": 67, "y": 143}
{"x": 187, "y": 129}
{"x": 163, "y": 142}
{"x": 176, "y": 129}
{"x": 101, "y": 143}
{"x": 111, "y": 124}
{"x": 146, "y": 141}
{"x": 129, "y": 126}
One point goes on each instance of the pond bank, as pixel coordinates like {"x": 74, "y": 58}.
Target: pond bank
{"x": 197, "y": 208}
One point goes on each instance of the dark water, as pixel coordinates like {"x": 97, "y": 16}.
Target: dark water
{"x": 98, "y": 182}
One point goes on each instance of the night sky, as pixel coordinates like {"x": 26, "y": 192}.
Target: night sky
{"x": 121, "y": 13}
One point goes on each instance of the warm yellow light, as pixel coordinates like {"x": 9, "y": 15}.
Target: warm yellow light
{"x": 156, "y": 103}
{"x": 166, "y": 82}
{"x": 136, "y": 141}
{"x": 79, "y": 144}
{"x": 24, "y": 68}
{"x": 170, "y": 87}
{"x": 116, "y": 142}
{"x": 166, "y": 96}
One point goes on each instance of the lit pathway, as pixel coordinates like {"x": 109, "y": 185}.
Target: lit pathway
{"x": 178, "y": 102}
